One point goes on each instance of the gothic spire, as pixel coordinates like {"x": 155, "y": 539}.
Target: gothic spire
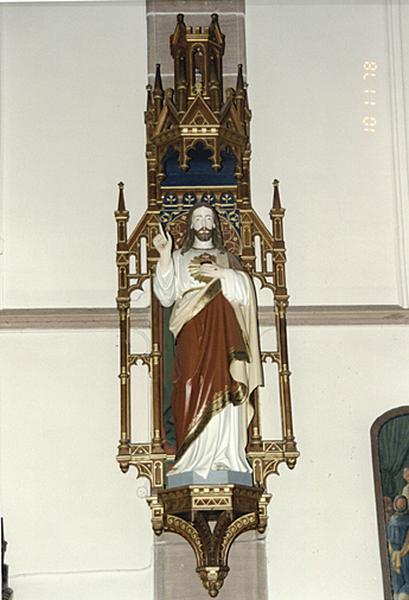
{"x": 158, "y": 92}
{"x": 157, "y": 87}
{"x": 240, "y": 81}
{"x": 276, "y": 197}
{"x": 121, "y": 198}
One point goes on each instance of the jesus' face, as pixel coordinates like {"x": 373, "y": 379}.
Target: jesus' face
{"x": 203, "y": 223}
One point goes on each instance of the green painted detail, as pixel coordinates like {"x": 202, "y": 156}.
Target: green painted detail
{"x": 394, "y": 454}
{"x": 168, "y": 347}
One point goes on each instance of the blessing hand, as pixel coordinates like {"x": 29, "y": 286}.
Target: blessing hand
{"x": 163, "y": 242}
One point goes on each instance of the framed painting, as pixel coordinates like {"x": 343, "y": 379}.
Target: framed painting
{"x": 390, "y": 452}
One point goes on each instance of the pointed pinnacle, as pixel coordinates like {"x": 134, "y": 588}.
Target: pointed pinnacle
{"x": 276, "y": 197}
{"x": 240, "y": 80}
{"x": 121, "y": 198}
{"x": 158, "y": 80}
{"x": 149, "y": 99}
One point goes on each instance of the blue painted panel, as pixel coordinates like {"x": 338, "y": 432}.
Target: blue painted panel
{"x": 200, "y": 170}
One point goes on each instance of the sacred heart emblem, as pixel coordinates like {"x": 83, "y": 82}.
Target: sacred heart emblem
{"x": 194, "y": 266}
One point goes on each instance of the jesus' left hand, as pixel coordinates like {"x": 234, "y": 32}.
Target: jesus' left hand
{"x": 212, "y": 270}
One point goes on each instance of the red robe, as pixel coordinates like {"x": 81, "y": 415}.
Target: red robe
{"x": 202, "y": 384}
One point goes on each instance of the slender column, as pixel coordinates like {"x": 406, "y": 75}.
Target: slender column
{"x": 123, "y": 305}
{"x": 281, "y": 304}
{"x": 284, "y": 373}
{"x": 181, "y": 84}
{"x": 124, "y": 373}
{"x": 155, "y": 373}
{"x": 215, "y": 88}
{"x": 150, "y": 121}
{"x": 255, "y": 431}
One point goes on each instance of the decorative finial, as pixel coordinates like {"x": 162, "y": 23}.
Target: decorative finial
{"x": 240, "y": 80}
{"x": 121, "y": 198}
{"x": 158, "y": 80}
{"x": 276, "y": 196}
{"x": 149, "y": 98}
{"x": 214, "y": 32}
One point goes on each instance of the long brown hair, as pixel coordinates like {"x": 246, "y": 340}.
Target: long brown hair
{"x": 217, "y": 236}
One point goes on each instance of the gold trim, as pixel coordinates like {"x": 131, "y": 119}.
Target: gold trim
{"x": 220, "y": 401}
{"x": 211, "y": 293}
{"x": 191, "y": 290}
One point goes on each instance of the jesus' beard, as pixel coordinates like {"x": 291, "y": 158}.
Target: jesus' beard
{"x": 203, "y": 234}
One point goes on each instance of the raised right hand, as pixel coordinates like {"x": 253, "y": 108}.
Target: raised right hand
{"x": 163, "y": 242}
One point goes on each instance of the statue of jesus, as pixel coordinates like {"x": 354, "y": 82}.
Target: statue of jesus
{"x": 217, "y": 356}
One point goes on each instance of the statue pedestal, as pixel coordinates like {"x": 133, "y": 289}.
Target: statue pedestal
{"x": 209, "y": 518}
{"x": 213, "y": 478}
{"x": 175, "y": 566}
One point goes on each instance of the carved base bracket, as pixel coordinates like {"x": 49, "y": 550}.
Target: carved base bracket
{"x": 210, "y": 518}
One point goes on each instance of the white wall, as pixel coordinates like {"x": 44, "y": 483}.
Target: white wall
{"x": 73, "y": 96}
{"x": 71, "y": 108}
{"x": 322, "y": 537}
{"x": 72, "y": 101}
{"x": 305, "y": 69}
{"x": 68, "y": 508}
